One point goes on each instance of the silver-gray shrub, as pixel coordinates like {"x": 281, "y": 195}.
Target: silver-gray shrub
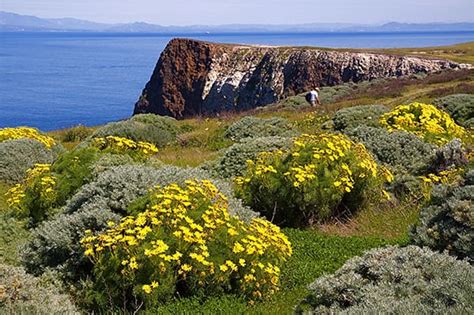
{"x": 55, "y": 243}
{"x": 459, "y": 106}
{"x": 21, "y": 293}
{"x": 450, "y": 155}
{"x": 447, "y": 222}
{"x": 393, "y": 280}
{"x": 150, "y": 128}
{"x": 352, "y": 117}
{"x": 17, "y": 156}
{"x": 401, "y": 150}
{"x": 232, "y": 162}
{"x": 252, "y": 127}
{"x": 116, "y": 188}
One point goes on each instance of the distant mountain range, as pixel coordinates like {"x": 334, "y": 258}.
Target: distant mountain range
{"x": 12, "y": 22}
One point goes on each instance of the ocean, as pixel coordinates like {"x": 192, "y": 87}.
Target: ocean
{"x": 58, "y": 80}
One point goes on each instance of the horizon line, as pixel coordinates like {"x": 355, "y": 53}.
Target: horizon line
{"x": 240, "y": 24}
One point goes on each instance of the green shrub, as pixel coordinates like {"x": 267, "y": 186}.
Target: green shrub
{"x": 72, "y": 170}
{"x": 21, "y": 293}
{"x": 36, "y": 196}
{"x": 185, "y": 243}
{"x": 352, "y": 117}
{"x": 17, "y": 156}
{"x": 253, "y": 127}
{"x": 233, "y": 160}
{"x": 459, "y": 106}
{"x": 319, "y": 177}
{"x": 394, "y": 280}
{"x": 446, "y": 223}
{"x": 77, "y": 134}
{"x": 107, "y": 197}
{"x": 149, "y": 128}
{"x": 401, "y": 150}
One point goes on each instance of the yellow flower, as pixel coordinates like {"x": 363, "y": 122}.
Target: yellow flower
{"x": 146, "y": 288}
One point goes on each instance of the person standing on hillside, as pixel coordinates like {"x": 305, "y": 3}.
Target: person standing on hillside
{"x": 312, "y": 97}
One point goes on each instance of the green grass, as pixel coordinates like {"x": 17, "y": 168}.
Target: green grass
{"x": 314, "y": 255}
{"x": 387, "y": 220}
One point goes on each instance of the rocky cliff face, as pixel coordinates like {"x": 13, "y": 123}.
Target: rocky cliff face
{"x": 199, "y": 78}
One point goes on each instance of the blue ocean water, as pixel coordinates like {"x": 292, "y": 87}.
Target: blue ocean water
{"x": 57, "y": 80}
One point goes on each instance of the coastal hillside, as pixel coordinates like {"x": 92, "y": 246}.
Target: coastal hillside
{"x": 201, "y": 78}
{"x": 363, "y": 205}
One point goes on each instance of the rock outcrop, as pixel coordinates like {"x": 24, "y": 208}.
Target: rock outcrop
{"x": 200, "y": 78}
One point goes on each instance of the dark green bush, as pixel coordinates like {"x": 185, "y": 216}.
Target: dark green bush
{"x": 151, "y": 128}
{"x": 394, "y": 280}
{"x": 17, "y": 156}
{"x": 447, "y": 222}
{"x": 21, "y": 293}
{"x": 233, "y": 160}
{"x": 459, "y": 106}
{"x": 401, "y": 150}
{"x": 77, "y": 133}
{"x": 72, "y": 170}
{"x": 252, "y": 127}
{"x": 352, "y": 117}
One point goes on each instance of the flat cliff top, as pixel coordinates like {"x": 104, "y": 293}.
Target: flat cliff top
{"x": 460, "y": 53}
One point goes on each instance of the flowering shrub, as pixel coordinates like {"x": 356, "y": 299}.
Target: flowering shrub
{"x": 425, "y": 121}
{"x": 36, "y": 194}
{"x": 26, "y": 133}
{"x": 17, "y": 156}
{"x": 186, "y": 243}
{"x": 351, "y": 117}
{"x": 233, "y": 160}
{"x": 446, "y": 222}
{"x": 450, "y": 176}
{"x": 392, "y": 280}
{"x": 459, "y": 106}
{"x": 251, "y": 127}
{"x": 117, "y": 145}
{"x": 53, "y": 244}
{"x": 320, "y": 176}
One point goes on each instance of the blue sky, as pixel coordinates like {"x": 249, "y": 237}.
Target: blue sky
{"x": 188, "y": 12}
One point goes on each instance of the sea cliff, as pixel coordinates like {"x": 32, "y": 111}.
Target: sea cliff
{"x": 200, "y": 78}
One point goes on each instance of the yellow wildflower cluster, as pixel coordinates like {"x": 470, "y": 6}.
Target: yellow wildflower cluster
{"x": 38, "y": 178}
{"x": 315, "y": 173}
{"x": 425, "y": 121}
{"x": 444, "y": 177}
{"x": 187, "y": 235}
{"x": 26, "y": 132}
{"x": 119, "y": 145}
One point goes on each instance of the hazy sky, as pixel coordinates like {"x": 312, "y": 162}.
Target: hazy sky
{"x": 187, "y": 12}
